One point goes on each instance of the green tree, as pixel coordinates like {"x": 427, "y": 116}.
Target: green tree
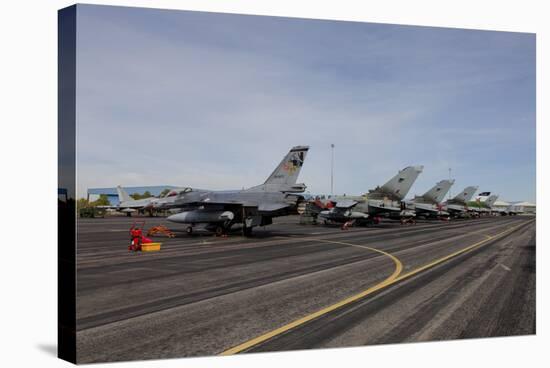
{"x": 103, "y": 200}
{"x": 164, "y": 192}
{"x": 475, "y": 204}
{"x": 82, "y": 203}
{"x": 137, "y": 196}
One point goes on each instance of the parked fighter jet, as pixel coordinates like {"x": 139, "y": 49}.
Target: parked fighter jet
{"x": 129, "y": 205}
{"x": 168, "y": 201}
{"x": 489, "y": 202}
{"x": 429, "y": 205}
{"x": 255, "y": 206}
{"x": 483, "y": 207}
{"x": 385, "y": 200}
{"x": 458, "y": 206}
{"x": 512, "y": 210}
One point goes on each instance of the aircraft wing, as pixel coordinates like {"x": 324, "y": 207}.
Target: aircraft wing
{"x": 127, "y": 210}
{"x": 345, "y": 203}
{"x": 263, "y": 207}
{"x": 270, "y": 207}
{"x": 385, "y": 208}
{"x": 426, "y": 208}
{"x": 434, "y": 210}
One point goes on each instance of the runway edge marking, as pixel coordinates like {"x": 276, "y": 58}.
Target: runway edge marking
{"x": 394, "y": 278}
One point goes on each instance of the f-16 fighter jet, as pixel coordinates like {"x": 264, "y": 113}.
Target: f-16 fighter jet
{"x": 385, "y": 200}
{"x": 168, "y": 201}
{"x": 429, "y": 205}
{"x": 256, "y": 206}
{"x": 458, "y": 206}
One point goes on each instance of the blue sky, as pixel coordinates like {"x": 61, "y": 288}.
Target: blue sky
{"x": 215, "y": 100}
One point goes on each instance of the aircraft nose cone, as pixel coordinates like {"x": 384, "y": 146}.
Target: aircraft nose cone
{"x": 178, "y": 217}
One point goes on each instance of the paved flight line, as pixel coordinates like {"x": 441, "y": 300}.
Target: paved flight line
{"x": 394, "y": 278}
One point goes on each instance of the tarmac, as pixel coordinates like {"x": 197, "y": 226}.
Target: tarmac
{"x": 292, "y": 286}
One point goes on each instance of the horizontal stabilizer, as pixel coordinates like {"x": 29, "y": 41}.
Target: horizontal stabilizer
{"x": 345, "y": 203}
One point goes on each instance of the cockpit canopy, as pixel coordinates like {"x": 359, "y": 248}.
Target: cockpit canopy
{"x": 177, "y": 192}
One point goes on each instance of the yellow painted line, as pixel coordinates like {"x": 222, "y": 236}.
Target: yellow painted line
{"x": 452, "y": 255}
{"x": 398, "y": 264}
{"x": 280, "y": 330}
{"x": 394, "y": 278}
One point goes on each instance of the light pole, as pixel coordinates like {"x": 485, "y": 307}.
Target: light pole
{"x": 332, "y": 170}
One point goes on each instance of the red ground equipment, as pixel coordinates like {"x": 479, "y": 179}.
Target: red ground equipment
{"x": 160, "y": 230}
{"x": 136, "y": 237}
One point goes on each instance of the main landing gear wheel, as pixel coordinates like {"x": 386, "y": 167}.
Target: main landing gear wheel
{"x": 247, "y": 231}
{"x": 219, "y": 231}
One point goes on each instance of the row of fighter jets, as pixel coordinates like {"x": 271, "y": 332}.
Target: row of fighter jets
{"x": 281, "y": 195}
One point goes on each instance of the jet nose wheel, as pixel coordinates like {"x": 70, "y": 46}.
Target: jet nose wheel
{"x": 189, "y": 230}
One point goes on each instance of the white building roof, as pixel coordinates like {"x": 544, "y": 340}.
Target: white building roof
{"x": 525, "y": 204}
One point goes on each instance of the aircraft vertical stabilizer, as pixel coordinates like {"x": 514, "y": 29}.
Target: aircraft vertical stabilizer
{"x": 466, "y": 195}
{"x": 438, "y": 192}
{"x": 288, "y": 170}
{"x": 401, "y": 183}
{"x": 122, "y": 195}
{"x": 491, "y": 200}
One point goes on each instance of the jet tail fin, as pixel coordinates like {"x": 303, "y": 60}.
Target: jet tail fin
{"x": 491, "y": 200}
{"x": 466, "y": 195}
{"x": 122, "y": 195}
{"x": 438, "y": 192}
{"x": 285, "y": 175}
{"x": 400, "y": 184}
{"x": 288, "y": 170}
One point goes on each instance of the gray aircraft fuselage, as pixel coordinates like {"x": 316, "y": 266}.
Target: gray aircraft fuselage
{"x": 385, "y": 200}
{"x": 267, "y": 202}
{"x": 255, "y": 206}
